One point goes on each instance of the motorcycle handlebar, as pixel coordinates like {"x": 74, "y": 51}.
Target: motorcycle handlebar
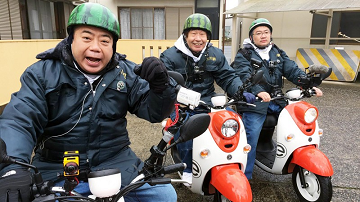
{"x": 233, "y": 102}
{"x": 304, "y": 93}
{"x": 134, "y": 185}
{"x": 174, "y": 168}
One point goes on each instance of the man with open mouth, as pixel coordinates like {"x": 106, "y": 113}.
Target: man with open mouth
{"x": 76, "y": 98}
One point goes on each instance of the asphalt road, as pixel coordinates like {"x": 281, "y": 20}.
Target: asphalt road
{"x": 339, "y": 118}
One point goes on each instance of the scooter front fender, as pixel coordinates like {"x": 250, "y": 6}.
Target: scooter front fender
{"x": 313, "y": 160}
{"x": 231, "y": 182}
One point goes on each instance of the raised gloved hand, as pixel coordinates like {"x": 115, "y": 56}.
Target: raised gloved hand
{"x": 15, "y": 186}
{"x": 249, "y": 97}
{"x": 153, "y": 71}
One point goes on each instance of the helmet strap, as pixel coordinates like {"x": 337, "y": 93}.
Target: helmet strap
{"x": 70, "y": 38}
{"x": 185, "y": 42}
{"x": 114, "y": 46}
{"x": 251, "y": 39}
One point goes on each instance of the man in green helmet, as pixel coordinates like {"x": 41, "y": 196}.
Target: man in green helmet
{"x": 201, "y": 64}
{"x": 76, "y": 97}
{"x": 275, "y": 64}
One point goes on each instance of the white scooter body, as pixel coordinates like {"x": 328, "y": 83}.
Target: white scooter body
{"x": 225, "y": 157}
{"x": 296, "y": 149}
{"x": 201, "y": 166}
{"x": 286, "y": 126}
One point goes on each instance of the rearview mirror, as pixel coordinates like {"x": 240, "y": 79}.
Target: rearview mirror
{"x": 258, "y": 77}
{"x": 256, "y": 64}
{"x": 177, "y": 77}
{"x": 327, "y": 74}
{"x": 195, "y": 126}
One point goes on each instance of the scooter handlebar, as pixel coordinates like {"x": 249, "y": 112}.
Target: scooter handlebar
{"x": 174, "y": 168}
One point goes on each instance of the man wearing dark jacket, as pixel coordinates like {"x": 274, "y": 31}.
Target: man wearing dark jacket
{"x": 275, "y": 65}
{"x": 201, "y": 65}
{"x": 76, "y": 97}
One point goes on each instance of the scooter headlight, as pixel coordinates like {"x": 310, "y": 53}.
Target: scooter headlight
{"x": 310, "y": 115}
{"x": 229, "y": 128}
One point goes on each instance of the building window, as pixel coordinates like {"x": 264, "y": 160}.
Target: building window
{"x": 142, "y": 23}
{"x": 344, "y": 22}
{"x": 41, "y": 19}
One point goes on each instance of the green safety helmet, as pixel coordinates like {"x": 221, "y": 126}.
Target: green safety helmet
{"x": 198, "y": 21}
{"x": 96, "y": 15}
{"x": 259, "y": 22}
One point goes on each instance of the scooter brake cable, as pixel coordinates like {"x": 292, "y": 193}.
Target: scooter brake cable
{"x": 176, "y": 117}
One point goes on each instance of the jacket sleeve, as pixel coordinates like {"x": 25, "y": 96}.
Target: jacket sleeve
{"x": 24, "y": 117}
{"x": 147, "y": 104}
{"x": 170, "y": 66}
{"x": 243, "y": 69}
{"x": 291, "y": 69}
{"x": 225, "y": 76}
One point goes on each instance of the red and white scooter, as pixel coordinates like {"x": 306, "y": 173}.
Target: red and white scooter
{"x": 296, "y": 148}
{"x": 219, "y": 154}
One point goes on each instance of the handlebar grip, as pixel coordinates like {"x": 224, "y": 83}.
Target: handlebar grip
{"x": 174, "y": 168}
{"x": 312, "y": 92}
{"x": 162, "y": 180}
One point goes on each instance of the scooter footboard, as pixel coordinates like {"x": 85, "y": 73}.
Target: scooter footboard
{"x": 312, "y": 159}
{"x": 231, "y": 182}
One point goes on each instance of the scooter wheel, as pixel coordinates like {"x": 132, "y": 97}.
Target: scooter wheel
{"x": 318, "y": 188}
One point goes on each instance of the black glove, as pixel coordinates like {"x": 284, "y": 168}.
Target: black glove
{"x": 14, "y": 185}
{"x": 153, "y": 71}
{"x": 249, "y": 97}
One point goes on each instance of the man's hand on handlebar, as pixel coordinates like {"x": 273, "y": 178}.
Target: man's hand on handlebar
{"x": 318, "y": 92}
{"x": 249, "y": 97}
{"x": 15, "y": 186}
{"x": 265, "y": 97}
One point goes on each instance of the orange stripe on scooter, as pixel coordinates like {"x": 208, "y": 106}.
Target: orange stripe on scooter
{"x": 226, "y": 144}
{"x": 231, "y": 182}
{"x": 313, "y": 160}
{"x": 297, "y": 112}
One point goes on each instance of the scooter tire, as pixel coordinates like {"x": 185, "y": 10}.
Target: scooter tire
{"x": 319, "y": 188}
{"x": 218, "y": 197}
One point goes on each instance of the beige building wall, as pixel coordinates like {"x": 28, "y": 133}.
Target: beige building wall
{"x": 12, "y": 67}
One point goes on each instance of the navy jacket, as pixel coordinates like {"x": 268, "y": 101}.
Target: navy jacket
{"x": 57, "y": 110}
{"x": 216, "y": 69}
{"x": 283, "y": 66}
